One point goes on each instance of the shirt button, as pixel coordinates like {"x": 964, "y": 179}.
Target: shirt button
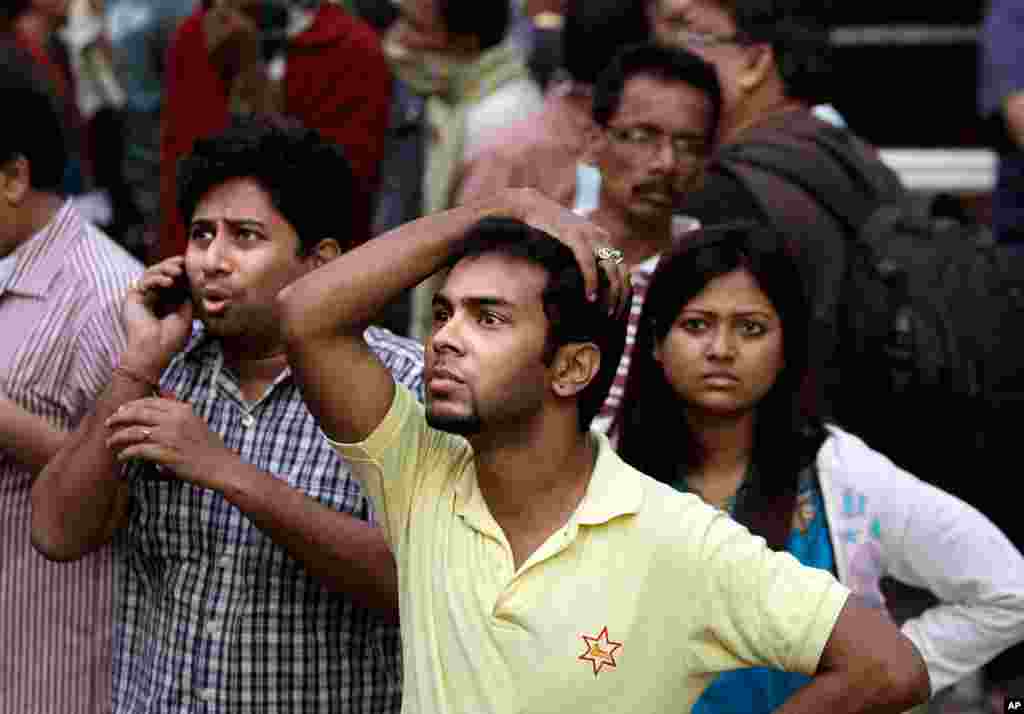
{"x": 248, "y": 420}
{"x": 207, "y": 694}
{"x": 213, "y": 628}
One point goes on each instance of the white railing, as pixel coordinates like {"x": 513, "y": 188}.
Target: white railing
{"x": 897, "y": 35}
{"x": 953, "y": 170}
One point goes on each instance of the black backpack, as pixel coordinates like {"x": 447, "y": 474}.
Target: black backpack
{"x": 920, "y": 315}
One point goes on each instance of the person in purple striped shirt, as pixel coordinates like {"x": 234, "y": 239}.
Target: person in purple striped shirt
{"x": 61, "y": 285}
{"x": 251, "y": 574}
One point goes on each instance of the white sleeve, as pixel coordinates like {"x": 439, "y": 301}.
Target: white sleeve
{"x": 951, "y": 549}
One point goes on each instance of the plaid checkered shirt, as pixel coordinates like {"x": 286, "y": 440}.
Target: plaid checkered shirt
{"x": 211, "y": 615}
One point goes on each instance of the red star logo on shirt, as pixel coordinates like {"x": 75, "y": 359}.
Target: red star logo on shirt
{"x": 600, "y": 651}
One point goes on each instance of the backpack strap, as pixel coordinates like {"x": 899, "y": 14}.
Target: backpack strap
{"x": 831, "y": 166}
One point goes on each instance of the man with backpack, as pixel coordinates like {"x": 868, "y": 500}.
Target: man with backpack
{"x": 919, "y": 316}
{"x": 914, "y": 309}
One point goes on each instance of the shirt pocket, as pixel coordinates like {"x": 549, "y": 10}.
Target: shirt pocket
{"x": 174, "y": 521}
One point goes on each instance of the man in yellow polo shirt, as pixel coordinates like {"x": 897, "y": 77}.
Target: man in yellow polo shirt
{"x": 538, "y": 572}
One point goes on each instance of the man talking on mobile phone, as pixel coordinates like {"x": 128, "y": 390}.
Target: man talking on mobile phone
{"x": 252, "y": 577}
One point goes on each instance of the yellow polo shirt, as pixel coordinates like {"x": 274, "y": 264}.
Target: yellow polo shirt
{"x": 632, "y": 606}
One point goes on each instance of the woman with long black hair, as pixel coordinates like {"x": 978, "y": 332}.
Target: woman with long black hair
{"x": 719, "y": 402}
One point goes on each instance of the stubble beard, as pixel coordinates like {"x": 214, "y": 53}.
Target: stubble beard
{"x": 462, "y": 424}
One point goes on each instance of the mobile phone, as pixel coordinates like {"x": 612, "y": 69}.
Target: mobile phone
{"x": 170, "y": 299}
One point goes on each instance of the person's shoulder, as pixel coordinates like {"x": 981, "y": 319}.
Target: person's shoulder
{"x": 95, "y": 263}
{"x": 386, "y": 343}
{"x": 515, "y": 148}
{"x": 191, "y": 26}
{"x": 402, "y": 356}
{"x": 847, "y": 462}
{"x": 343, "y": 30}
{"x": 515, "y": 101}
{"x": 669, "y": 517}
{"x": 721, "y": 197}
{"x": 519, "y": 97}
{"x": 105, "y": 250}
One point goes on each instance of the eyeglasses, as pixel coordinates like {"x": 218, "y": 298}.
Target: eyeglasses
{"x": 685, "y": 147}
{"x": 684, "y": 35}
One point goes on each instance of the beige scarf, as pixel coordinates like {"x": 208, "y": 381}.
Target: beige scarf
{"x": 452, "y": 86}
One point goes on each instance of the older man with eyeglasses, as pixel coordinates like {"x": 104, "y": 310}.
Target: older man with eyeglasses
{"x": 656, "y": 111}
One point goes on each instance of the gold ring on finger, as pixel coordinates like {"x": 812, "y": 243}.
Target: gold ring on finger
{"x": 605, "y": 252}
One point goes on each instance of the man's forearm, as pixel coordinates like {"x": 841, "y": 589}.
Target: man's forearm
{"x": 347, "y": 293}
{"x": 28, "y": 439}
{"x": 79, "y": 498}
{"x": 846, "y": 693}
{"x": 346, "y": 554}
{"x": 1014, "y": 112}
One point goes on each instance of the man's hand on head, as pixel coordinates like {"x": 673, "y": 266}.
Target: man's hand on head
{"x": 587, "y": 241}
{"x": 157, "y": 317}
{"x": 169, "y": 433}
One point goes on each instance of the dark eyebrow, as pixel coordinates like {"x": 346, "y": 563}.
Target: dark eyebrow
{"x": 233, "y": 222}
{"x": 687, "y": 134}
{"x": 475, "y": 301}
{"x": 699, "y": 136}
{"x": 743, "y": 313}
{"x": 487, "y": 301}
{"x": 246, "y": 223}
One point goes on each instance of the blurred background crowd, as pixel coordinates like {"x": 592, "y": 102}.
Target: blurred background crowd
{"x": 139, "y": 80}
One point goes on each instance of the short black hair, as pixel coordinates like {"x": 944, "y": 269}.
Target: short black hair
{"x": 308, "y": 179}
{"x": 32, "y": 124}
{"x": 798, "y": 31}
{"x": 487, "y": 20}
{"x": 571, "y": 316}
{"x": 596, "y": 30}
{"x": 664, "y": 62}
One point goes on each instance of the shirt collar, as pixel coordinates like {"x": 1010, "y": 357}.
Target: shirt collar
{"x": 203, "y": 350}
{"x": 200, "y": 344}
{"x": 615, "y": 488}
{"x": 8, "y": 265}
{"x": 41, "y": 258}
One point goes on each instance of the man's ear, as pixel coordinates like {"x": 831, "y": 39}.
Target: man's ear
{"x": 575, "y": 366}
{"x": 16, "y": 179}
{"x": 758, "y": 67}
{"x": 324, "y": 252}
